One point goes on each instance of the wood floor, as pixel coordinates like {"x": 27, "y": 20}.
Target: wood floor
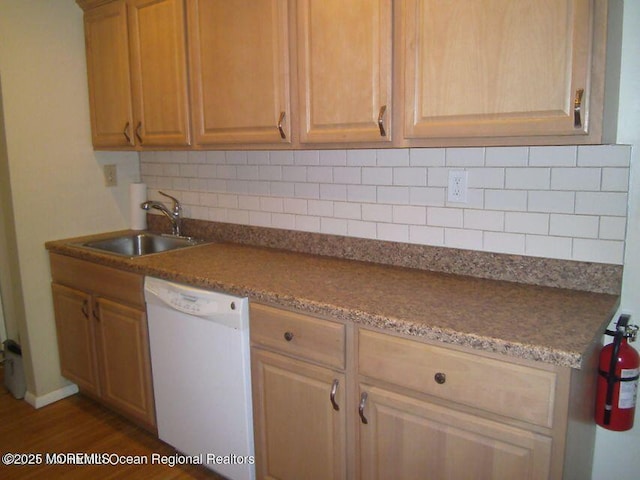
{"x": 79, "y": 425}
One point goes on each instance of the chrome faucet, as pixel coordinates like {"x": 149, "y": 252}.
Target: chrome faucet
{"x": 173, "y": 215}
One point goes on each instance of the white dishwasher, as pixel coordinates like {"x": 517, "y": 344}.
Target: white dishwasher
{"x": 201, "y": 374}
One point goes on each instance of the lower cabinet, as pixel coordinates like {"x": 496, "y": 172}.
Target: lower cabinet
{"x": 102, "y": 333}
{"x": 405, "y": 438}
{"x": 300, "y": 428}
{"x": 334, "y": 400}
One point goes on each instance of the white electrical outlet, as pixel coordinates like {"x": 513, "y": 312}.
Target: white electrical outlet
{"x": 457, "y": 191}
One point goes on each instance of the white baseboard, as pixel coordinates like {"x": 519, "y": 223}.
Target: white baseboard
{"x": 51, "y": 397}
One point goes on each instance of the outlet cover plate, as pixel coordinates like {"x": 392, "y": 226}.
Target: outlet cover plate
{"x": 457, "y": 191}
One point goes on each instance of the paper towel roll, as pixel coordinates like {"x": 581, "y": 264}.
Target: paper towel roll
{"x": 138, "y": 195}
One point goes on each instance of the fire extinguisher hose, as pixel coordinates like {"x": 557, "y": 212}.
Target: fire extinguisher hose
{"x": 611, "y": 377}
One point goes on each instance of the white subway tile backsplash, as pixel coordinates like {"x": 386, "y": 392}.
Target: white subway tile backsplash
{"x": 483, "y": 220}
{"x": 393, "y": 232}
{"x": 505, "y": 200}
{"x": 604, "y": 156}
{"x": 575, "y": 179}
{"x": 281, "y": 157}
{"x": 464, "y": 157}
{"x": 613, "y": 228}
{"x": 601, "y": 203}
{"x": 377, "y": 176}
{"x": 237, "y": 158}
{"x": 605, "y": 251}
{"x": 615, "y": 180}
{"x": 466, "y": 239}
{"x": 426, "y": 235}
{"x": 320, "y": 174}
{"x": 333, "y": 158}
{"x": 513, "y": 243}
{"x": 427, "y": 196}
{"x": 396, "y": 157}
{"x": 527, "y": 178}
{"x": 332, "y": 191}
{"x": 551, "y": 202}
{"x": 307, "y": 190}
{"x": 522, "y": 222}
{"x": 506, "y": 156}
{"x": 393, "y": 195}
{"x": 361, "y": 158}
{"x": 445, "y": 217}
{"x": 306, "y": 157}
{"x": 360, "y": 229}
{"x": 283, "y": 220}
{"x": 427, "y": 157}
{"x": 348, "y": 175}
{"x": 347, "y": 210}
{"x": 362, "y": 193}
{"x": 410, "y": 176}
{"x": 584, "y": 226}
{"x": 548, "y": 246}
{"x": 334, "y": 226}
{"x": 410, "y": 215}
{"x": 560, "y": 156}
{"x": 296, "y": 206}
{"x": 485, "y": 177}
{"x": 561, "y": 202}
{"x": 292, "y": 173}
{"x": 377, "y": 212}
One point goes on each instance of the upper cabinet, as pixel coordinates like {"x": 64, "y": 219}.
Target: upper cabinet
{"x": 362, "y": 73}
{"x": 239, "y": 57}
{"x": 344, "y": 70}
{"x": 136, "y": 63}
{"x": 107, "y": 44}
{"x": 159, "y": 71}
{"x": 521, "y": 71}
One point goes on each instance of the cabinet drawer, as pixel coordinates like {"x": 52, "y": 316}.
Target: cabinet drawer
{"x": 300, "y": 335}
{"x": 98, "y": 279}
{"x": 499, "y": 387}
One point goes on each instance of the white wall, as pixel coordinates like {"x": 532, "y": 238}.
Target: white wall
{"x": 56, "y": 178}
{"x": 618, "y": 453}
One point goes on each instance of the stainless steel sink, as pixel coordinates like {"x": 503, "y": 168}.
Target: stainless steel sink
{"x": 137, "y": 245}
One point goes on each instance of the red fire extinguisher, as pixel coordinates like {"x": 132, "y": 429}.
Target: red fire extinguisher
{"x": 618, "y": 379}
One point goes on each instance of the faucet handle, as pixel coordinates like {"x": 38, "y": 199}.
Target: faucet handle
{"x": 176, "y": 204}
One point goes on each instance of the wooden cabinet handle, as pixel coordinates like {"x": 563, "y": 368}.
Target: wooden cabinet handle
{"x": 383, "y": 132}
{"x": 85, "y": 308}
{"x": 577, "y": 108}
{"x": 363, "y": 402}
{"x": 125, "y": 132}
{"x": 138, "y": 135}
{"x": 332, "y": 395}
{"x": 283, "y": 135}
{"x": 288, "y": 336}
{"x": 440, "y": 378}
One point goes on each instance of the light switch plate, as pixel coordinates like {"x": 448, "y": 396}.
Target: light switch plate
{"x": 110, "y": 175}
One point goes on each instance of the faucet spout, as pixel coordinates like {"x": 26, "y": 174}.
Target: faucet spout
{"x": 174, "y": 215}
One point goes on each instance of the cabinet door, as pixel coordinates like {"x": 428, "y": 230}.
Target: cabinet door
{"x": 298, "y": 432}
{"x": 495, "y": 68}
{"x": 159, "y": 72}
{"x": 344, "y": 70}
{"x": 107, "y": 48}
{"x": 411, "y": 439}
{"x": 125, "y": 366}
{"x": 75, "y": 328}
{"x": 239, "y": 51}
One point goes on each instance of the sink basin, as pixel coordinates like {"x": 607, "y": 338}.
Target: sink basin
{"x": 137, "y": 245}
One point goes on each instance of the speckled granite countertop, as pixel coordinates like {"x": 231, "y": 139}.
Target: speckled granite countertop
{"x": 551, "y": 325}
